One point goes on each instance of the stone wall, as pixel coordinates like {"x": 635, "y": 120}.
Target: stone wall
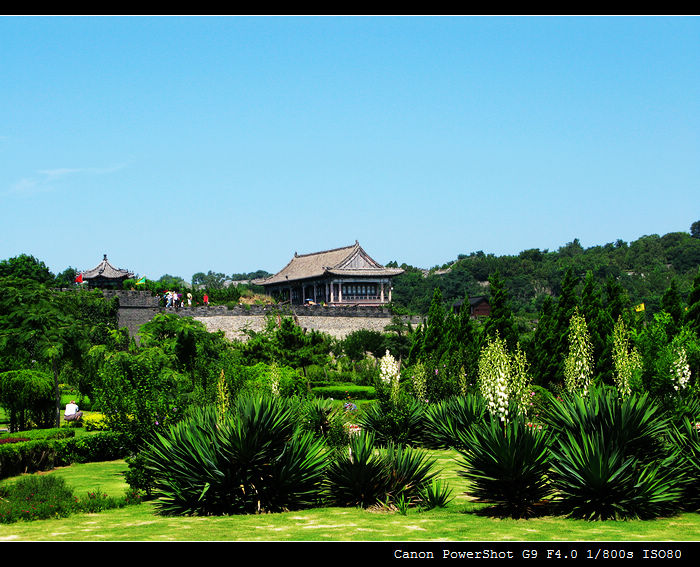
{"x": 135, "y": 308}
{"x": 139, "y": 307}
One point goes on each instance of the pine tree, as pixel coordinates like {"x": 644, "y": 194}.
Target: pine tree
{"x": 600, "y": 325}
{"x": 567, "y": 303}
{"x": 434, "y": 342}
{"x": 672, "y": 304}
{"x": 543, "y": 350}
{"x": 501, "y": 319}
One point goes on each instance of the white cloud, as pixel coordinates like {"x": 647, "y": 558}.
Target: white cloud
{"x": 44, "y": 179}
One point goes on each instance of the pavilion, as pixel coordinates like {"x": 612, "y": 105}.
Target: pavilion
{"x": 341, "y": 276}
{"x": 105, "y": 276}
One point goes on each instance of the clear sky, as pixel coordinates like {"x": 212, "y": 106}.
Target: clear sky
{"x": 180, "y": 145}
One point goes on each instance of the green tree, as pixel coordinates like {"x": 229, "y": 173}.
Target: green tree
{"x": 26, "y": 267}
{"x": 501, "y": 319}
{"x": 34, "y": 328}
{"x": 672, "y": 304}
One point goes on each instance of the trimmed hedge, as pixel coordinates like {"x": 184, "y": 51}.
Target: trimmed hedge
{"x": 45, "y": 454}
{"x": 343, "y": 391}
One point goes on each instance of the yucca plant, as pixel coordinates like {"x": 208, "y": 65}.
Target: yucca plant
{"x": 435, "y": 494}
{"x": 597, "y": 480}
{"x": 506, "y": 463}
{"x": 636, "y": 423}
{"x": 399, "y": 421}
{"x": 686, "y": 440}
{"x": 249, "y": 460}
{"x": 443, "y": 420}
{"x": 611, "y": 458}
{"x": 358, "y": 476}
{"x": 366, "y": 475}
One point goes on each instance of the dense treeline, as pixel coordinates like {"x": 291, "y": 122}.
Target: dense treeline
{"x": 644, "y": 268}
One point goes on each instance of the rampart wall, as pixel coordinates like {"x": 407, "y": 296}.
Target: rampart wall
{"x": 137, "y": 308}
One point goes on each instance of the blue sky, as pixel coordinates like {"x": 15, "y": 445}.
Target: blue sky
{"x": 179, "y": 145}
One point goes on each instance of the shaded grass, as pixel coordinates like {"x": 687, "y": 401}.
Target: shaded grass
{"x": 462, "y": 520}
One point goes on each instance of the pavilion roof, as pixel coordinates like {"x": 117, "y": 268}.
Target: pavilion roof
{"x": 105, "y": 270}
{"x": 350, "y": 261}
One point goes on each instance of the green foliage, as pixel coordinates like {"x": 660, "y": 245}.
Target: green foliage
{"x": 251, "y": 460}
{"x": 27, "y": 396}
{"x": 357, "y": 344}
{"x": 366, "y": 476}
{"x": 507, "y": 464}
{"x": 41, "y": 454}
{"x": 686, "y": 439}
{"x": 436, "y": 494}
{"x": 26, "y": 267}
{"x": 139, "y": 392}
{"x": 445, "y": 420}
{"x": 643, "y": 269}
{"x": 611, "y": 459}
{"x": 41, "y": 497}
{"x": 399, "y": 421}
{"x": 36, "y": 497}
{"x": 325, "y": 420}
{"x": 500, "y": 322}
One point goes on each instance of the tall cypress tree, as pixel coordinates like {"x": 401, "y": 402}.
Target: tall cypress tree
{"x": 434, "y": 343}
{"x": 501, "y": 319}
{"x": 599, "y": 327}
{"x": 672, "y": 304}
{"x": 566, "y": 307}
{"x": 543, "y": 348}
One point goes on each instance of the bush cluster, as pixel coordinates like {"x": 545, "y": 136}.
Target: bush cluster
{"x": 256, "y": 458}
{"x": 58, "y": 449}
{"x": 40, "y": 497}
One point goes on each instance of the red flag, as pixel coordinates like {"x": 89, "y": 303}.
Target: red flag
{"x": 79, "y": 278}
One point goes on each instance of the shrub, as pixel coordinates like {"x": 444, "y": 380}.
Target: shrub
{"x": 398, "y": 422}
{"x": 445, "y": 419}
{"x": 436, "y": 494}
{"x": 100, "y": 446}
{"x": 611, "y": 458}
{"x": 506, "y": 463}
{"x": 686, "y": 439}
{"x": 27, "y": 395}
{"x": 249, "y": 460}
{"x": 364, "y": 476}
{"x": 324, "y": 420}
{"x": 36, "y": 497}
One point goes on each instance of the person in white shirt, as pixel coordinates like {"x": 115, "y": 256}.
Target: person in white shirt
{"x": 72, "y": 412}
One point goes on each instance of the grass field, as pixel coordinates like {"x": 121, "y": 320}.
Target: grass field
{"x": 462, "y": 520}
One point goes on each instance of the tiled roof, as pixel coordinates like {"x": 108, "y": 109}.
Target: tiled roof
{"x": 106, "y": 270}
{"x": 346, "y": 261}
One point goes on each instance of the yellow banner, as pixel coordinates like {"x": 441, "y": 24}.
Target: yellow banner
{"x": 639, "y": 307}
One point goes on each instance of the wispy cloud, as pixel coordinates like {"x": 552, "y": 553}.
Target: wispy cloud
{"x": 44, "y": 180}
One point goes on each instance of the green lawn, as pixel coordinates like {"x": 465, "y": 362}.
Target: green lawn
{"x": 460, "y": 521}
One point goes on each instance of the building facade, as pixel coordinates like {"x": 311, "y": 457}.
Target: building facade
{"x": 342, "y": 276}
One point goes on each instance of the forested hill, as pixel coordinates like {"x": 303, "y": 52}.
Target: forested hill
{"x": 645, "y": 268}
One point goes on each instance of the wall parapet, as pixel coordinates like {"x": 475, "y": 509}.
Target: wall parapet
{"x": 298, "y": 310}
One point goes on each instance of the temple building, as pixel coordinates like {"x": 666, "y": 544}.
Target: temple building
{"x": 105, "y": 276}
{"x": 342, "y": 276}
